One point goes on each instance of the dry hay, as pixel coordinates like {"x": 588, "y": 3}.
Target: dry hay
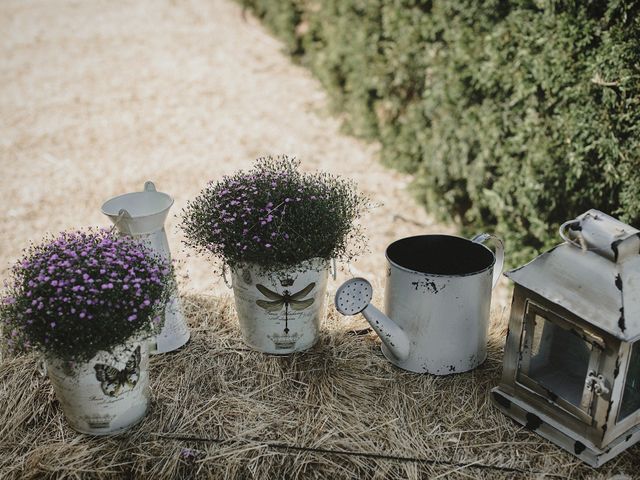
{"x": 221, "y": 410}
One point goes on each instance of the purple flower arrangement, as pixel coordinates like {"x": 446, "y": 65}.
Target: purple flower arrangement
{"x": 84, "y": 292}
{"x": 276, "y": 216}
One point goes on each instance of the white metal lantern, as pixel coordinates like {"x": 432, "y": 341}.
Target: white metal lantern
{"x": 571, "y": 368}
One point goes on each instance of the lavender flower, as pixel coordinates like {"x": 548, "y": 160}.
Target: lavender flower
{"x": 70, "y": 296}
{"x": 276, "y": 216}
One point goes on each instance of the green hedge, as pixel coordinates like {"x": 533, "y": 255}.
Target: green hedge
{"x": 513, "y": 116}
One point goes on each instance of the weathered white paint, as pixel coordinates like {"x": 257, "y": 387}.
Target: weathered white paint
{"x": 434, "y": 324}
{"x": 103, "y": 407}
{"x": 280, "y": 328}
{"x": 588, "y": 286}
{"x": 595, "y": 274}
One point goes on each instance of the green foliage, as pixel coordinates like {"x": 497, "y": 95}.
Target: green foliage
{"x": 275, "y": 216}
{"x": 512, "y": 115}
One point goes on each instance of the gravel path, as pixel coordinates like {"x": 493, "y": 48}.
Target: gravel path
{"x": 97, "y": 97}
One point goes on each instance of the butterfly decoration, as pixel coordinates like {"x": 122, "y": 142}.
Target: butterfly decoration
{"x": 113, "y": 380}
{"x": 287, "y": 299}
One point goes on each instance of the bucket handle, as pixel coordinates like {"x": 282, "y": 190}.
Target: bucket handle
{"x": 41, "y": 366}
{"x": 224, "y": 276}
{"x": 499, "y": 254}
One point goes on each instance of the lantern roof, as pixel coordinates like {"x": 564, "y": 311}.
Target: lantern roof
{"x": 595, "y": 274}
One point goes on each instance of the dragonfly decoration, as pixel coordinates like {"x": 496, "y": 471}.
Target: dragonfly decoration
{"x": 287, "y": 299}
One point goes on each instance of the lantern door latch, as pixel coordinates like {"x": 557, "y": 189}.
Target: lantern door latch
{"x": 596, "y": 383}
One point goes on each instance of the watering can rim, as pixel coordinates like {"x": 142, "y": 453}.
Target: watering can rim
{"x": 116, "y": 213}
{"x": 467, "y": 274}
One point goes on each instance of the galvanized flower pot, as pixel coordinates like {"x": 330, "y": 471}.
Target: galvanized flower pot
{"x": 107, "y": 394}
{"x": 141, "y": 215}
{"x": 280, "y": 312}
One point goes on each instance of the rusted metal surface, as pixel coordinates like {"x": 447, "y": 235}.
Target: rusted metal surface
{"x": 568, "y": 354}
{"x": 537, "y": 421}
{"x": 437, "y": 302}
{"x": 595, "y": 274}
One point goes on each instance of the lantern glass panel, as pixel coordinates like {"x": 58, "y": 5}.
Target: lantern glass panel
{"x": 554, "y": 357}
{"x": 631, "y": 395}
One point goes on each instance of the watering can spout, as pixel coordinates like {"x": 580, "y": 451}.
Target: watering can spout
{"x": 353, "y": 297}
{"x": 393, "y": 337}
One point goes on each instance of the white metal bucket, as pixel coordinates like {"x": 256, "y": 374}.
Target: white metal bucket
{"x": 280, "y": 312}
{"x": 142, "y": 216}
{"x": 107, "y": 394}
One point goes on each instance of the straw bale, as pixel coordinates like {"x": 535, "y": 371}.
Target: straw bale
{"x": 339, "y": 410}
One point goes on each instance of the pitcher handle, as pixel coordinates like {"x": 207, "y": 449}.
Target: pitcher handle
{"x": 499, "y": 253}
{"x": 123, "y": 213}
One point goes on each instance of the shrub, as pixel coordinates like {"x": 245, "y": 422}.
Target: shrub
{"x": 84, "y": 292}
{"x": 275, "y": 216}
{"x": 512, "y": 115}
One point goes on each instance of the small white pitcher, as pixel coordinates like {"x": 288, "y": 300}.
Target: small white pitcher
{"x": 142, "y": 215}
{"x": 437, "y": 302}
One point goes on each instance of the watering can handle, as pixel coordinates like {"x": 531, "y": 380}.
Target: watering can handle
{"x": 499, "y": 253}
{"x": 149, "y": 186}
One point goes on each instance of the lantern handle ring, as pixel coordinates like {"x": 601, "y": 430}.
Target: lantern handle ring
{"x": 579, "y": 240}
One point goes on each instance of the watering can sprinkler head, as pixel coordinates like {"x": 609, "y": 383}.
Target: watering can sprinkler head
{"x": 353, "y": 297}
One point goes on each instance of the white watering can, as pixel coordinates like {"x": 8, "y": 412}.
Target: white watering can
{"x": 437, "y": 302}
{"x": 142, "y": 215}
